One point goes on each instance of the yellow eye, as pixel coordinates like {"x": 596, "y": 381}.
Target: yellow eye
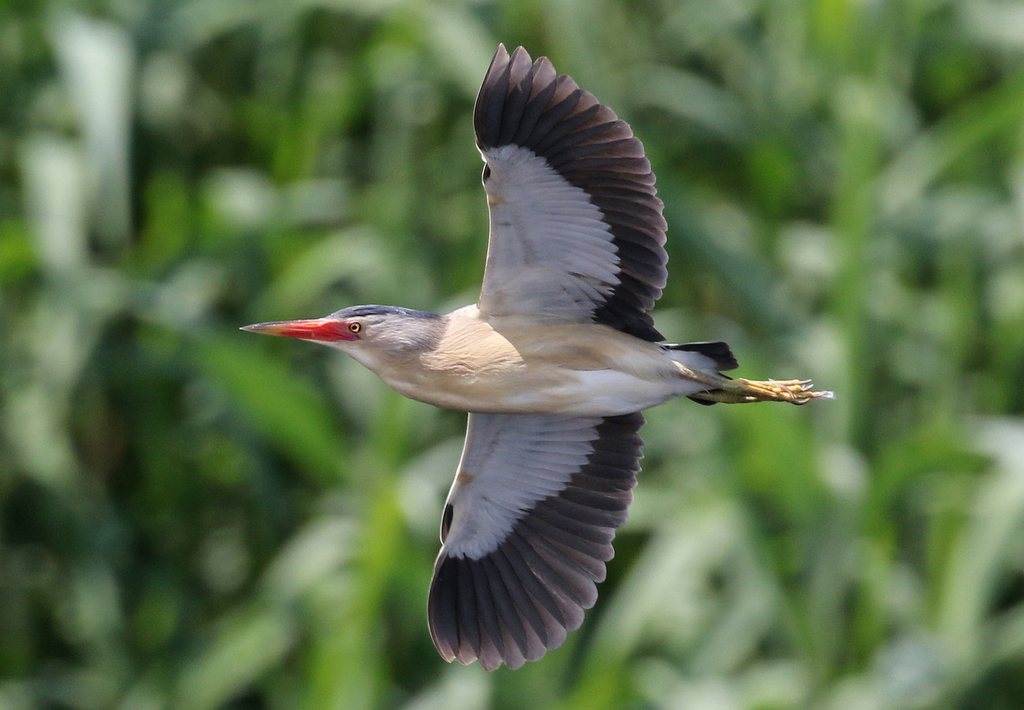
{"x": 354, "y": 327}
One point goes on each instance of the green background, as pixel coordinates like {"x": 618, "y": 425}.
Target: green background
{"x": 198, "y": 518}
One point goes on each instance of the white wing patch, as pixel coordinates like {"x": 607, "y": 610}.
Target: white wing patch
{"x": 550, "y": 253}
{"x": 509, "y": 462}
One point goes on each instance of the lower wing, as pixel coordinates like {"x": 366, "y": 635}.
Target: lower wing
{"x": 526, "y": 532}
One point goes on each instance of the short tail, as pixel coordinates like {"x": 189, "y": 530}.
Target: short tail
{"x": 709, "y": 356}
{"x": 718, "y": 352}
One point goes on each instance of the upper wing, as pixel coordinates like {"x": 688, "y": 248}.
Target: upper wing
{"x": 527, "y": 528}
{"x": 577, "y": 232}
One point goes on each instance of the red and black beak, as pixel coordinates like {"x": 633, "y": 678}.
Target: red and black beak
{"x": 325, "y": 330}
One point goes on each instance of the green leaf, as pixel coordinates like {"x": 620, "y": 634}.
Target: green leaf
{"x": 285, "y": 409}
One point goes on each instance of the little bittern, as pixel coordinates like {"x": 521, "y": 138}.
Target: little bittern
{"x": 554, "y": 364}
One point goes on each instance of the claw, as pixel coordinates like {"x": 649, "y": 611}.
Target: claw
{"x": 740, "y": 390}
{"x": 792, "y": 391}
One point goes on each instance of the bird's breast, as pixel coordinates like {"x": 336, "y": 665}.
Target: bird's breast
{"x": 528, "y": 368}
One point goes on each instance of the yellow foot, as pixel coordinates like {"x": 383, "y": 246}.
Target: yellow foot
{"x": 729, "y": 391}
{"x": 792, "y": 391}
{"x": 742, "y": 390}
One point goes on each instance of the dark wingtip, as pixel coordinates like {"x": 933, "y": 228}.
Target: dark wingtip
{"x": 491, "y": 99}
{"x": 520, "y": 52}
{"x": 442, "y": 608}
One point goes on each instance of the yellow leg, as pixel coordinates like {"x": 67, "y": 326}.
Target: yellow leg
{"x": 738, "y": 391}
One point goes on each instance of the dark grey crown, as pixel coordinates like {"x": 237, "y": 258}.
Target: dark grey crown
{"x": 375, "y": 310}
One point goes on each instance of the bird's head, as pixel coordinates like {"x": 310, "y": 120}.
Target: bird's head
{"x": 370, "y": 334}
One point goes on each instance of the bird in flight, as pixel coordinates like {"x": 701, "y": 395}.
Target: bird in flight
{"x": 554, "y": 364}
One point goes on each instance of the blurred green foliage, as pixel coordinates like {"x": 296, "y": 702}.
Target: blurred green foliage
{"x": 196, "y": 518}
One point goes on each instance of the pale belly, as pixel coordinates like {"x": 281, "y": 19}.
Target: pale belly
{"x": 597, "y": 392}
{"x": 521, "y": 367}
{"x": 590, "y": 392}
